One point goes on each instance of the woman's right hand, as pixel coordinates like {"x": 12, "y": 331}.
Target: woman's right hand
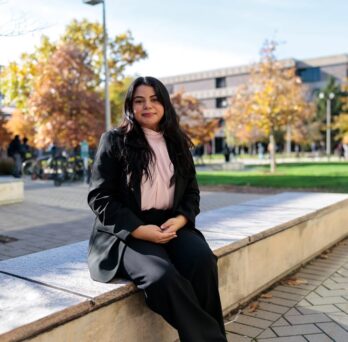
{"x": 152, "y": 233}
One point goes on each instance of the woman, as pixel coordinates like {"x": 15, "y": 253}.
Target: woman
{"x": 145, "y": 197}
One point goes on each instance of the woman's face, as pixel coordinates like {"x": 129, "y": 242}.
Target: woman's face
{"x": 147, "y": 109}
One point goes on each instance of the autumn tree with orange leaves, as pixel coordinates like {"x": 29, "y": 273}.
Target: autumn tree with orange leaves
{"x": 191, "y": 118}
{"x": 239, "y": 118}
{"x": 66, "y": 107}
{"x": 20, "y": 79}
{"x": 272, "y": 100}
{"x": 341, "y": 121}
{"x": 5, "y": 136}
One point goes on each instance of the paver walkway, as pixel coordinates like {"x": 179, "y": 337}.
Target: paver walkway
{"x": 56, "y": 216}
{"x": 311, "y": 305}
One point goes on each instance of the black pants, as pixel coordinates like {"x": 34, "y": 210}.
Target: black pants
{"x": 179, "y": 280}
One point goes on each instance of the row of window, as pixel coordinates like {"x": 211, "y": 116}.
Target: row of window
{"x": 308, "y": 75}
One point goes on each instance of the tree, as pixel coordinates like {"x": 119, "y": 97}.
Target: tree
{"x": 118, "y": 92}
{"x": 192, "y": 120}
{"x": 306, "y": 130}
{"x": 66, "y": 107}
{"x": 336, "y": 106}
{"x": 4, "y": 133}
{"x": 273, "y": 99}
{"x": 341, "y": 120}
{"x": 18, "y": 25}
{"x": 331, "y": 87}
{"x": 88, "y": 36}
{"x": 239, "y": 121}
{"x": 18, "y": 78}
{"x": 22, "y": 124}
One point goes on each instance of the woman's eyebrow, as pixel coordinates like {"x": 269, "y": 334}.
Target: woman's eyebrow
{"x": 142, "y": 97}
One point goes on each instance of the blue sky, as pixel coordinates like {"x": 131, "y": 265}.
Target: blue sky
{"x": 187, "y": 36}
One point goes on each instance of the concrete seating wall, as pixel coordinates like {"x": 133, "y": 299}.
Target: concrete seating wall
{"x": 11, "y": 190}
{"x": 49, "y": 296}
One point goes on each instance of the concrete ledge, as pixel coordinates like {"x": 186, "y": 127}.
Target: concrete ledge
{"x": 257, "y": 243}
{"x": 11, "y": 190}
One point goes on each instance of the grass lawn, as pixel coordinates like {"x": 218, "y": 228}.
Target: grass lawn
{"x": 325, "y": 176}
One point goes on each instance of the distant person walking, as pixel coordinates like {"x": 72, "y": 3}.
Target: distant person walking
{"x": 26, "y": 150}
{"x": 226, "y": 152}
{"x": 14, "y": 151}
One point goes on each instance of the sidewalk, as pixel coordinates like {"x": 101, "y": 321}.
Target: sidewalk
{"x": 211, "y": 164}
{"x": 55, "y": 216}
{"x": 311, "y": 305}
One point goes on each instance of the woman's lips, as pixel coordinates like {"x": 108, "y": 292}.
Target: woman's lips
{"x": 147, "y": 114}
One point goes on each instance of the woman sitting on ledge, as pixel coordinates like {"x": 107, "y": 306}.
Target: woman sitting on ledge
{"x": 145, "y": 197}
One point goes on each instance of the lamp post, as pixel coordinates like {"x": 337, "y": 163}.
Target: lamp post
{"x": 106, "y": 68}
{"x": 328, "y": 99}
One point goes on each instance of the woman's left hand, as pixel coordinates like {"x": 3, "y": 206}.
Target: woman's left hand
{"x": 173, "y": 224}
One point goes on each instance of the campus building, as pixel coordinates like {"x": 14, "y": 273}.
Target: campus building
{"x": 214, "y": 87}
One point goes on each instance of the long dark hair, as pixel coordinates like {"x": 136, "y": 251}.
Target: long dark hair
{"x": 137, "y": 152}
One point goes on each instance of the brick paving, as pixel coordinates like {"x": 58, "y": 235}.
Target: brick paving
{"x": 55, "y": 216}
{"x": 314, "y": 308}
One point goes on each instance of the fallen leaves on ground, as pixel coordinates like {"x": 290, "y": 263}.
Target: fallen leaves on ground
{"x": 254, "y": 306}
{"x": 295, "y": 281}
{"x": 266, "y": 295}
{"x": 323, "y": 256}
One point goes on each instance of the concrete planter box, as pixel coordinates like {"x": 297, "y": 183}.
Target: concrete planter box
{"x": 11, "y": 190}
{"x": 257, "y": 244}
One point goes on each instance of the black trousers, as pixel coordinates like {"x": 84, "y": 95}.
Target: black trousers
{"x": 179, "y": 280}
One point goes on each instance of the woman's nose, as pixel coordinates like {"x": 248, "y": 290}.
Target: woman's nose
{"x": 147, "y": 104}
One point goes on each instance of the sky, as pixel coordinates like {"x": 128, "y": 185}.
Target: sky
{"x": 184, "y": 36}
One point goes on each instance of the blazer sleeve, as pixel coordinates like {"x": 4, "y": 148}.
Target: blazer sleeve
{"x": 189, "y": 204}
{"x": 105, "y": 191}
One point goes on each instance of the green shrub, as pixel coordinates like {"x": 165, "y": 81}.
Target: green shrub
{"x": 6, "y": 166}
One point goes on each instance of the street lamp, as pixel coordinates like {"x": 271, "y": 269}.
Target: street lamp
{"x": 106, "y": 68}
{"x": 328, "y": 98}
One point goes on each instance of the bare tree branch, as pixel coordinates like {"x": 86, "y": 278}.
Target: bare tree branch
{"x": 20, "y": 24}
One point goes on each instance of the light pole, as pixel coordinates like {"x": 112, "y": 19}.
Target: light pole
{"x": 106, "y": 68}
{"x": 328, "y": 99}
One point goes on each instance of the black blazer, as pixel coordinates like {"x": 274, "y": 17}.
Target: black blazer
{"x": 117, "y": 207}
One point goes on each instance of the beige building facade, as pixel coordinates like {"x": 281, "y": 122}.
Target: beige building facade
{"x": 214, "y": 87}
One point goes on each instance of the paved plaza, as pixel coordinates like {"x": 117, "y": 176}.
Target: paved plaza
{"x": 55, "y": 216}
{"x": 310, "y": 306}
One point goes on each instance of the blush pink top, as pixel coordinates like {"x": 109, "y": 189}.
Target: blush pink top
{"x": 156, "y": 191}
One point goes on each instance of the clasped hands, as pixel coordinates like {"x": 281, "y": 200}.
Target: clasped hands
{"x": 164, "y": 233}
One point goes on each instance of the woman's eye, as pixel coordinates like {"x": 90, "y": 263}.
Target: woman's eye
{"x": 138, "y": 101}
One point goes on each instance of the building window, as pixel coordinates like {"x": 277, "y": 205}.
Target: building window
{"x": 309, "y": 75}
{"x": 220, "y": 82}
{"x": 221, "y": 102}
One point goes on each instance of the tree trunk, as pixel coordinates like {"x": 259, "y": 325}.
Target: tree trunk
{"x": 272, "y": 153}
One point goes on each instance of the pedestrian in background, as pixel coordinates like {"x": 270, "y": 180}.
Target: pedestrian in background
{"x": 14, "y": 151}
{"x": 145, "y": 196}
{"x": 26, "y": 149}
{"x": 226, "y": 151}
